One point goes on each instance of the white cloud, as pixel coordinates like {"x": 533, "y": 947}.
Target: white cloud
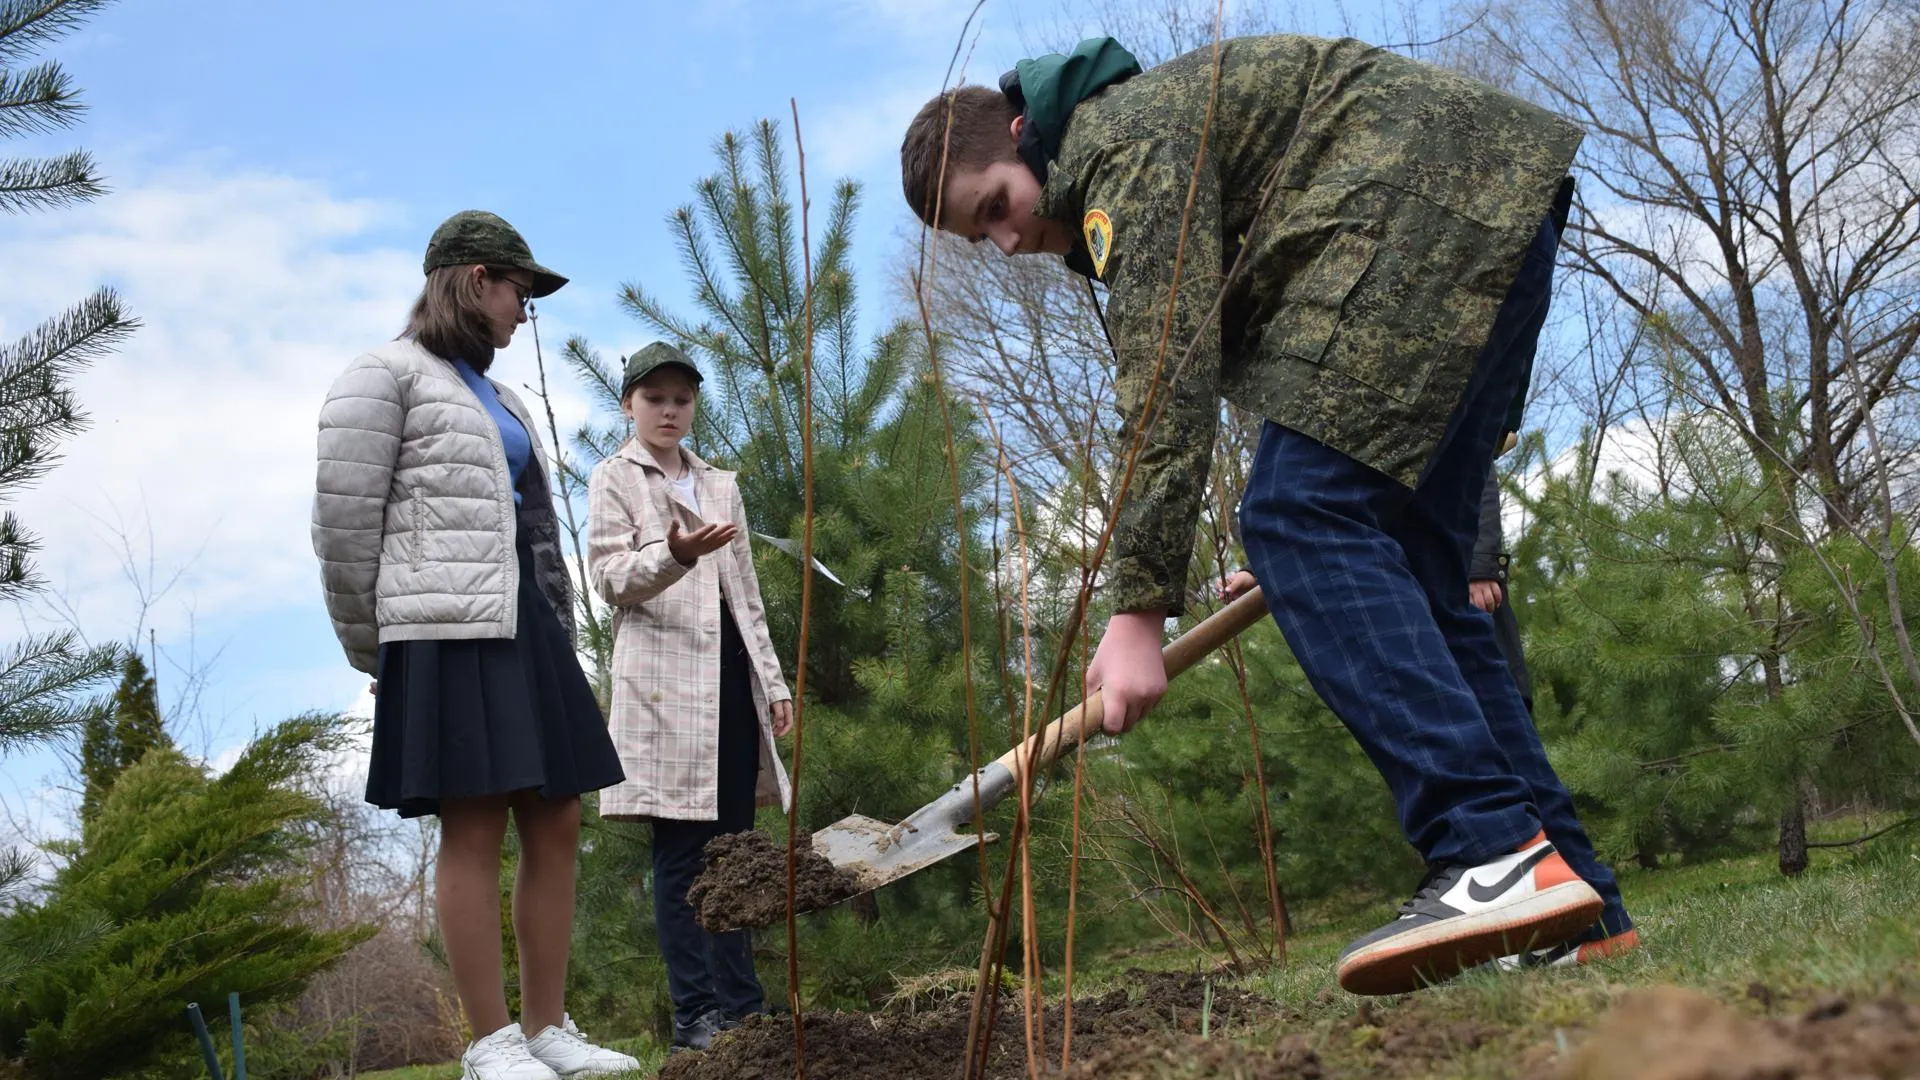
{"x": 1653, "y": 458}
{"x": 251, "y": 298}
{"x": 858, "y": 137}
{"x": 253, "y": 291}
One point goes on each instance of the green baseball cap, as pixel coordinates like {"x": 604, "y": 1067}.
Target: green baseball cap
{"x": 652, "y": 358}
{"x": 473, "y": 237}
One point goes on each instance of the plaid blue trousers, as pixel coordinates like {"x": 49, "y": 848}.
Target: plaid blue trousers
{"x": 1368, "y": 581}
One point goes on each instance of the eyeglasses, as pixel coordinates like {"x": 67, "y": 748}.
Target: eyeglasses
{"x": 523, "y": 293}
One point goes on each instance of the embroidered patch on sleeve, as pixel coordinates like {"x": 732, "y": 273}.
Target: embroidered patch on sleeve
{"x": 1098, "y": 228}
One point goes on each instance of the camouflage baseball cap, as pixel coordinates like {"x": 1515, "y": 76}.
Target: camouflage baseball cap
{"x": 651, "y": 359}
{"x": 476, "y": 237}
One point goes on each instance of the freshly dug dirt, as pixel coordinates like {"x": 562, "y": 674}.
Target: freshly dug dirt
{"x": 1190, "y": 1057}
{"x": 1660, "y": 1033}
{"x": 1666, "y": 1033}
{"x": 745, "y": 883}
{"x": 930, "y": 1044}
{"x": 1879, "y": 1038}
{"x": 1406, "y": 1040}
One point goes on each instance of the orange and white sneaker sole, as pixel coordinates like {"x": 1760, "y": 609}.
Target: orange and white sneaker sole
{"x": 1440, "y": 950}
{"x": 1605, "y": 949}
{"x": 1574, "y": 955}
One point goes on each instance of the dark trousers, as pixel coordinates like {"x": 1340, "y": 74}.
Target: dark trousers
{"x": 711, "y": 971}
{"x": 1368, "y": 581}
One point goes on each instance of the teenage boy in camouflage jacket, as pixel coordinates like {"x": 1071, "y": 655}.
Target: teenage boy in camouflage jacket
{"x": 1364, "y": 255}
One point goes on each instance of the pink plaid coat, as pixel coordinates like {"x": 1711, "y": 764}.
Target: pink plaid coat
{"x": 666, "y": 637}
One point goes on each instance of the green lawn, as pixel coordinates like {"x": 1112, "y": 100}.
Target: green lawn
{"x": 1735, "y": 929}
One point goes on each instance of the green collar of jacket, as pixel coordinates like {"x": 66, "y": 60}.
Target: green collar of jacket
{"x": 1046, "y": 90}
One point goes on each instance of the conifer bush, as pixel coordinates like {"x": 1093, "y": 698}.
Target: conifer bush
{"x": 188, "y": 887}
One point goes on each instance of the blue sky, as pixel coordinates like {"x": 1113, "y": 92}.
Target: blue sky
{"x": 276, "y": 170}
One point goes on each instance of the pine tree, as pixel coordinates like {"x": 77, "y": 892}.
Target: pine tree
{"x": 111, "y": 745}
{"x": 41, "y": 676}
{"x": 45, "y": 679}
{"x": 1632, "y": 639}
{"x": 1696, "y": 680}
{"x": 887, "y": 723}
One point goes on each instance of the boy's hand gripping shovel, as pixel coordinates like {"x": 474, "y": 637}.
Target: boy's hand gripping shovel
{"x": 879, "y": 853}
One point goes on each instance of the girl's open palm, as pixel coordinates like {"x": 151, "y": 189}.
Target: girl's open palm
{"x": 705, "y": 540}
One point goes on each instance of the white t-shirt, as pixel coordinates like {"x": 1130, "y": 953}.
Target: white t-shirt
{"x": 685, "y": 484}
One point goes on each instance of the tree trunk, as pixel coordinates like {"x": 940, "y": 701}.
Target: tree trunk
{"x": 1793, "y": 834}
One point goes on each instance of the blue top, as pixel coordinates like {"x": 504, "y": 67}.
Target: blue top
{"x": 512, "y": 435}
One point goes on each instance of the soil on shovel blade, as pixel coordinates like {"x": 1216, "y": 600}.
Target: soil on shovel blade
{"x": 745, "y": 882}
{"x": 1125, "y": 1034}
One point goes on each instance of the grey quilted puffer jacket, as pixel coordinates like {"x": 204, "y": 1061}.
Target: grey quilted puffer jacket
{"x": 413, "y": 512}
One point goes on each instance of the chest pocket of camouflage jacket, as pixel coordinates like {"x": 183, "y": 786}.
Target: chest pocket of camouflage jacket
{"x": 1370, "y": 313}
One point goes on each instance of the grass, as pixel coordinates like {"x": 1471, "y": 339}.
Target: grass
{"x": 1734, "y": 929}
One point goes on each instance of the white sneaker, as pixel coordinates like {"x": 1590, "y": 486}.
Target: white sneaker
{"x": 567, "y": 1052}
{"x": 503, "y": 1056}
{"x": 1463, "y": 916}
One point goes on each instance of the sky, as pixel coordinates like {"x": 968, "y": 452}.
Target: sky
{"x": 275, "y": 171}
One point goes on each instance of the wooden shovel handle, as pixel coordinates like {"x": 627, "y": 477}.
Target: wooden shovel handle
{"x": 1182, "y": 653}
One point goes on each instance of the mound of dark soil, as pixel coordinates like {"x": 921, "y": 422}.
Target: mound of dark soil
{"x": 1660, "y": 1033}
{"x": 1666, "y": 1033}
{"x": 745, "y": 883}
{"x": 930, "y": 1044}
{"x": 1407, "y": 1040}
{"x": 1879, "y": 1038}
{"x": 1190, "y": 1057}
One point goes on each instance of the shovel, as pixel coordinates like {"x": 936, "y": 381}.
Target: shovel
{"x": 879, "y": 853}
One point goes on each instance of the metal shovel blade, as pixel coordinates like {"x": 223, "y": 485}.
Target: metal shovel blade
{"x": 879, "y": 853}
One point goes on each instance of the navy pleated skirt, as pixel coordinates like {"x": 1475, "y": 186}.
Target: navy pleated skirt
{"x": 466, "y": 718}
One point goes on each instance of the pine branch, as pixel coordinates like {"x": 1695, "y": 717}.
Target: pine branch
{"x": 21, "y": 955}
{"x": 778, "y": 222}
{"x": 37, "y": 406}
{"x": 28, "y": 26}
{"x": 48, "y": 183}
{"x": 39, "y": 679}
{"x": 35, "y": 370}
{"x": 39, "y": 99}
{"x": 16, "y": 869}
{"x": 17, "y": 578}
{"x": 588, "y": 368}
{"x": 599, "y": 444}
{"x": 1877, "y": 833}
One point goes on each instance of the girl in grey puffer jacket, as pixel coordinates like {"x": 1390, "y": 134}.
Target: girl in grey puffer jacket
{"x": 439, "y": 551}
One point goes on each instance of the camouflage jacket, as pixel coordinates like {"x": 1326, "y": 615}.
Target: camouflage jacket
{"x": 1379, "y": 208}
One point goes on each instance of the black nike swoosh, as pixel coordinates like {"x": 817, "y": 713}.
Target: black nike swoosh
{"x": 1486, "y": 894}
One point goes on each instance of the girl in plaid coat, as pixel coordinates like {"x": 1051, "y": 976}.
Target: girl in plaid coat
{"x": 698, "y": 695}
